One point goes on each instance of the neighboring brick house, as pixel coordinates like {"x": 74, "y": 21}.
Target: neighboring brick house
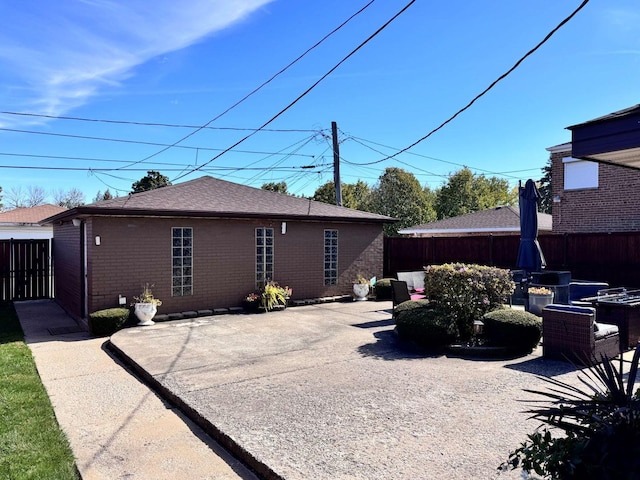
{"x": 206, "y": 244}
{"x": 592, "y": 188}
{"x": 494, "y": 221}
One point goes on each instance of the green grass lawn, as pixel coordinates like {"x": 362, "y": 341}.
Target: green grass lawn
{"x": 32, "y": 446}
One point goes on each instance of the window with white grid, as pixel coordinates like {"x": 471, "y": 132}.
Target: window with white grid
{"x": 264, "y": 255}
{"x": 330, "y": 257}
{"x": 182, "y": 261}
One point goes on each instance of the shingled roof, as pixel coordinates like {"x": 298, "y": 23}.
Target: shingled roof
{"x": 494, "y": 220}
{"x": 32, "y": 215}
{"x": 214, "y": 198}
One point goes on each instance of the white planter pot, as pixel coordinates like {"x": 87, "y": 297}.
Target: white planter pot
{"x": 145, "y": 313}
{"x": 361, "y": 290}
{"x": 537, "y": 301}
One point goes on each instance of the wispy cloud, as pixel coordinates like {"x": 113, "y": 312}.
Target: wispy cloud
{"x": 56, "y": 55}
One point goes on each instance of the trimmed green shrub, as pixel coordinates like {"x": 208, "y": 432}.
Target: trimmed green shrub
{"x": 425, "y": 323}
{"x": 469, "y": 291}
{"x": 106, "y": 322}
{"x": 511, "y": 328}
{"x": 383, "y": 289}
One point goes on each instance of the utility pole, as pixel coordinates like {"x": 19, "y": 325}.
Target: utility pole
{"x": 336, "y": 163}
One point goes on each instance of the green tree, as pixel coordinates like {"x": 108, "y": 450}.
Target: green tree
{"x": 465, "y": 193}
{"x": 280, "y": 187}
{"x": 544, "y": 188}
{"x": 399, "y": 194}
{"x": 103, "y": 196}
{"x": 151, "y": 181}
{"x": 325, "y": 193}
{"x": 354, "y": 195}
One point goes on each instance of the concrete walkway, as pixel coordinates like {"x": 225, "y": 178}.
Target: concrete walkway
{"x": 316, "y": 392}
{"x": 117, "y": 426}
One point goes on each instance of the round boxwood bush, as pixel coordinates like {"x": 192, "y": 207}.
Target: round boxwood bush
{"x": 514, "y": 329}
{"x": 106, "y": 322}
{"x": 425, "y": 323}
{"x": 383, "y": 289}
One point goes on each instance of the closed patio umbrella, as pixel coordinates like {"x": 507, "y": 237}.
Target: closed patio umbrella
{"x": 530, "y": 256}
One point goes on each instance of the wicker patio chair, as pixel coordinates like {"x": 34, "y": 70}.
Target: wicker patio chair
{"x": 399, "y": 292}
{"x": 571, "y": 333}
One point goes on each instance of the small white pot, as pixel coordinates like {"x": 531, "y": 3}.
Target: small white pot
{"x": 361, "y": 290}
{"x": 145, "y": 313}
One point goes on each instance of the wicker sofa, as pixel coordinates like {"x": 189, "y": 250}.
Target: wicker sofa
{"x": 571, "y": 333}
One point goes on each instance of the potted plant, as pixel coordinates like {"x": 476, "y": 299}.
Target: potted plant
{"x": 361, "y": 288}
{"x": 146, "y": 306}
{"x": 273, "y": 296}
{"x": 539, "y": 297}
{"x": 251, "y": 302}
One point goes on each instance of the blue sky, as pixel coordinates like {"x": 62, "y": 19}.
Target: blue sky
{"x": 185, "y": 63}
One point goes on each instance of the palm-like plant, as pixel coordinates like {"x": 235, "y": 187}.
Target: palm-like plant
{"x": 601, "y": 423}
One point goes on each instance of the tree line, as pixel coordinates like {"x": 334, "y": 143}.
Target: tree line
{"x": 397, "y": 194}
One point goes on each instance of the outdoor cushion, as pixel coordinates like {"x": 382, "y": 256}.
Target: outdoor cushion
{"x": 571, "y": 308}
{"x": 418, "y": 280}
{"x": 603, "y": 330}
{"x": 406, "y": 277}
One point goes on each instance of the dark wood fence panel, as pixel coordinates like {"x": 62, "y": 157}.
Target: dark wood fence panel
{"x": 25, "y": 272}
{"x": 613, "y": 258}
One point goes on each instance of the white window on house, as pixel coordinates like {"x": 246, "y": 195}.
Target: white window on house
{"x": 182, "y": 261}
{"x": 264, "y": 255}
{"x": 579, "y": 174}
{"x": 330, "y": 257}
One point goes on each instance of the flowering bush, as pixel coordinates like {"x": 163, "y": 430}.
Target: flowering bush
{"x": 468, "y": 290}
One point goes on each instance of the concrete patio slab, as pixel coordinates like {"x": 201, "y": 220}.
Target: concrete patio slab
{"x": 326, "y": 391}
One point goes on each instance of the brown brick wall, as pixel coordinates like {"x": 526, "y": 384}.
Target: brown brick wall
{"x": 135, "y": 251}
{"x": 612, "y": 207}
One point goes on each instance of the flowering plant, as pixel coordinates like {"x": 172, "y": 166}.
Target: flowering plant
{"x": 147, "y": 296}
{"x": 361, "y": 280}
{"x": 252, "y": 297}
{"x": 539, "y": 291}
{"x": 270, "y": 296}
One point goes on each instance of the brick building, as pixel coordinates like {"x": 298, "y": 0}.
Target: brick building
{"x": 595, "y": 179}
{"x": 206, "y": 244}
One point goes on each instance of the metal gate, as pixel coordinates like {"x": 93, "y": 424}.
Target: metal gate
{"x": 25, "y": 269}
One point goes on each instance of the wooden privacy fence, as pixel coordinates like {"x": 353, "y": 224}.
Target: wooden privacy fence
{"x": 608, "y": 257}
{"x": 25, "y": 269}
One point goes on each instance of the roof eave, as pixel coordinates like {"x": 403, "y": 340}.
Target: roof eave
{"x": 86, "y": 211}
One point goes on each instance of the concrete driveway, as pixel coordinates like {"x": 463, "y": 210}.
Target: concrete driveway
{"x": 326, "y": 392}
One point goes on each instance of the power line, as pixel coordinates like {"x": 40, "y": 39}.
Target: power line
{"x": 152, "y": 124}
{"x": 139, "y": 142}
{"x": 303, "y": 94}
{"x": 493, "y": 84}
{"x": 255, "y": 90}
{"x": 361, "y": 140}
